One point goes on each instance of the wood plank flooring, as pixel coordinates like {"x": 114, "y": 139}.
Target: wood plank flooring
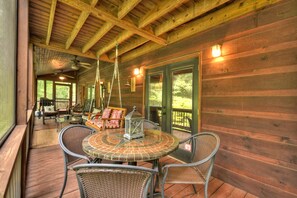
{"x": 46, "y": 173}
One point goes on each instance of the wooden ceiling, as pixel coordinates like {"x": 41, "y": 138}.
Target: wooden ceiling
{"x": 92, "y": 28}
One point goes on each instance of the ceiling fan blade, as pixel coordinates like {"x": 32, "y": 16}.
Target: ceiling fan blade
{"x": 86, "y": 66}
{"x": 68, "y": 76}
{"x": 84, "y": 63}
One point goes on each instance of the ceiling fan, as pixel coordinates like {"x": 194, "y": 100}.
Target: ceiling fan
{"x": 62, "y": 76}
{"x": 77, "y": 64}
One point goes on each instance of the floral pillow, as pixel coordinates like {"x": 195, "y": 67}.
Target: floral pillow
{"x": 106, "y": 113}
{"x": 114, "y": 123}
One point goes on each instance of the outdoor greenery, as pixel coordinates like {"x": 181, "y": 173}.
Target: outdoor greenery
{"x": 181, "y": 92}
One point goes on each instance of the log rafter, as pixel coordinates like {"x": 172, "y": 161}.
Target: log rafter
{"x": 198, "y": 9}
{"x": 80, "y": 22}
{"x": 51, "y": 21}
{"x": 223, "y": 15}
{"x": 160, "y": 10}
{"x": 124, "y": 9}
{"x": 101, "y": 14}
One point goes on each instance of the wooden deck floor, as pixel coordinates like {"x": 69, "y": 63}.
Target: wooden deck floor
{"x": 46, "y": 173}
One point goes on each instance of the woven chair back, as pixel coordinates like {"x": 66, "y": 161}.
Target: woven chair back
{"x": 72, "y": 139}
{"x": 205, "y": 146}
{"x": 116, "y": 181}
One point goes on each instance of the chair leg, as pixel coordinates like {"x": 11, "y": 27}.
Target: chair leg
{"x": 65, "y": 181}
{"x": 205, "y": 190}
{"x": 194, "y": 187}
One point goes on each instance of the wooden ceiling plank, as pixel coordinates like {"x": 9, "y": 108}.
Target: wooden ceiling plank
{"x": 114, "y": 20}
{"x": 200, "y": 7}
{"x": 80, "y": 22}
{"x": 51, "y": 21}
{"x": 160, "y": 10}
{"x": 232, "y": 11}
{"x": 59, "y": 47}
{"x": 124, "y": 9}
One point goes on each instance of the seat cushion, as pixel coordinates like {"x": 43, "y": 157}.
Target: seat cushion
{"x": 185, "y": 175}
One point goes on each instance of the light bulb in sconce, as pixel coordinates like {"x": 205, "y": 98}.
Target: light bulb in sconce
{"x": 62, "y": 77}
{"x": 216, "y": 51}
{"x": 136, "y": 71}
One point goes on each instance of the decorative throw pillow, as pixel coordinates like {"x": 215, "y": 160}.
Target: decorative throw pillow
{"x": 115, "y": 114}
{"x": 49, "y": 108}
{"x": 106, "y": 113}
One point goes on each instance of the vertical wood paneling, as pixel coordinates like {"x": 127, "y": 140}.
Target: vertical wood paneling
{"x": 248, "y": 96}
{"x": 14, "y": 186}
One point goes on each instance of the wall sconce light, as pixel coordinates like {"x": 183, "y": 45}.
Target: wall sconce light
{"x": 216, "y": 50}
{"x": 136, "y": 71}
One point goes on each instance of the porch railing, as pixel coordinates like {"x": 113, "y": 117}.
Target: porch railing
{"x": 180, "y": 118}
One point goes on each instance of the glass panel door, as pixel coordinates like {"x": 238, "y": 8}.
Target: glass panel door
{"x": 182, "y": 103}
{"x": 172, "y": 100}
{"x": 155, "y": 90}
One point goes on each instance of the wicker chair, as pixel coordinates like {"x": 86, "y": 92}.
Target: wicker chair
{"x": 116, "y": 181}
{"x": 198, "y": 171}
{"x": 70, "y": 140}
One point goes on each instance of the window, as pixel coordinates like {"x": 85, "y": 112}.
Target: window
{"x": 91, "y": 92}
{"x": 40, "y": 89}
{"x": 8, "y": 40}
{"x": 49, "y": 89}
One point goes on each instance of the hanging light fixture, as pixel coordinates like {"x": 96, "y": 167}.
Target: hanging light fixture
{"x": 61, "y": 77}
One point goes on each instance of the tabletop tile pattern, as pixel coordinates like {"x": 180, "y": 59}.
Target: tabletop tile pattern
{"x": 111, "y": 145}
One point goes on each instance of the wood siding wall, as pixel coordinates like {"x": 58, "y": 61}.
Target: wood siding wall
{"x": 249, "y": 97}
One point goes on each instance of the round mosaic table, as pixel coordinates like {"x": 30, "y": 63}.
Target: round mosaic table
{"x": 111, "y": 145}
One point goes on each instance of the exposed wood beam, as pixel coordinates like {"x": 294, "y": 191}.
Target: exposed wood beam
{"x": 198, "y": 9}
{"x": 79, "y": 23}
{"x": 129, "y": 46}
{"x": 59, "y": 47}
{"x": 223, "y": 15}
{"x": 98, "y": 35}
{"x": 114, "y": 20}
{"x": 124, "y": 9}
{"x": 192, "y": 12}
{"x": 160, "y": 10}
{"x": 119, "y": 39}
{"x": 51, "y": 21}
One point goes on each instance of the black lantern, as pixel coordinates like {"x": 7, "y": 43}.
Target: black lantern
{"x": 133, "y": 125}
